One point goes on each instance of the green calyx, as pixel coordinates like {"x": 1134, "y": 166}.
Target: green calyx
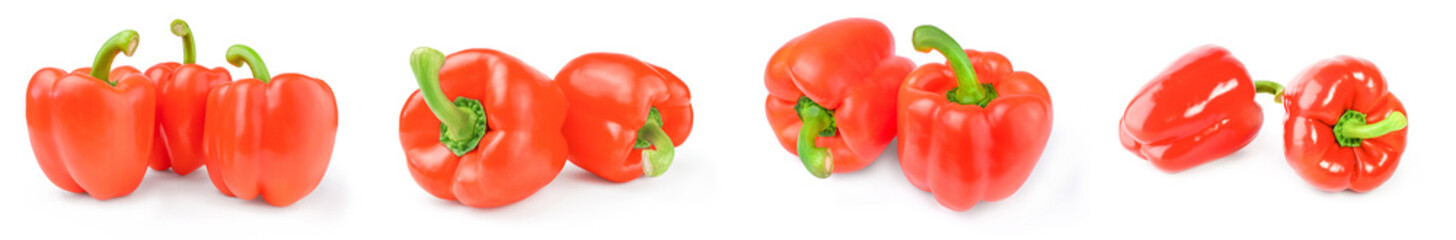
{"x": 1352, "y": 129}
{"x": 239, "y": 54}
{"x": 461, "y": 142}
{"x": 818, "y": 122}
{"x": 124, "y": 42}
{"x": 653, "y": 117}
{"x": 189, "y": 49}
{"x": 1270, "y": 87}
{"x": 808, "y": 104}
{"x": 954, "y": 95}
{"x": 969, "y": 90}
{"x": 656, "y": 145}
{"x": 462, "y": 122}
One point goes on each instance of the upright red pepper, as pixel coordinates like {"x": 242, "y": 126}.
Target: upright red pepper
{"x": 269, "y": 136}
{"x": 91, "y": 134}
{"x": 1200, "y": 109}
{"x": 182, "y": 90}
{"x": 831, "y": 94}
{"x": 1344, "y": 129}
{"x": 500, "y": 140}
{"x": 623, "y": 111}
{"x": 973, "y": 130}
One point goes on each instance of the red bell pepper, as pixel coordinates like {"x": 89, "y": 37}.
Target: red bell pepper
{"x": 1200, "y": 109}
{"x": 831, "y": 94}
{"x": 1344, "y": 129}
{"x": 182, "y": 90}
{"x": 269, "y": 136}
{"x": 973, "y": 129}
{"x": 499, "y": 141}
{"x": 92, "y": 134}
{"x": 623, "y": 111}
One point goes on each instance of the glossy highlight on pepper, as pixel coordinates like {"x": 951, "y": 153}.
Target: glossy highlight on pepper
{"x": 91, "y": 129}
{"x": 970, "y": 130}
{"x": 1344, "y": 129}
{"x": 182, "y": 90}
{"x": 268, "y": 136}
{"x": 625, "y": 116}
{"x": 832, "y": 94}
{"x": 1200, "y": 109}
{"x": 500, "y": 139}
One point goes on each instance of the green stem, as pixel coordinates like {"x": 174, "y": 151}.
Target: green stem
{"x": 124, "y": 42}
{"x": 462, "y": 122}
{"x": 968, "y": 90}
{"x": 659, "y": 157}
{"x": 1352, "y": 129}
{"x": 189, "y": 49}
{"x": 239, "y": 54}
{"x": 1270, "y": 87}
{"x": 817, "y": 122}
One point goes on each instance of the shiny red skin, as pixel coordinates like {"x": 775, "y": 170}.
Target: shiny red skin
{"x": 1200, "y": 109}
{"x": 181, "y": 104}
{"x": 1315, "y": 101}
{"x": 849, "y": 67}
{"x": 522, "y": 150}
{"x": 270, "y": 139}
{"x": 88, "y": 136}
{"x": 610, "y": 96}
{"x": 964, "y": 154}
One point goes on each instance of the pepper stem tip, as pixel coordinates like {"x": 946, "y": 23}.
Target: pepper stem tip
{"x": 180, "y": 28}
{"x": 656, "y": 160}
{"x": 239, "y": 54}
{"x": 189, "y": 48}
{"x": 124, "y": 42}
{"x": 816, "y": 122}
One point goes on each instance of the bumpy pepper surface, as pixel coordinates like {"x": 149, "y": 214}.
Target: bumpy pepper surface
{"x": 92, "y": 134}
{"x": 625, "y": 116}
{"x": 971, "y": 130}
{"x": 831, "y": 94}
{"x": 269, "y": 136}
{"x": 1200, "y": 109}
{"x": 1344, "y": 129}
{"x": 500, "y": 140}
{"x": 182, "y": 90}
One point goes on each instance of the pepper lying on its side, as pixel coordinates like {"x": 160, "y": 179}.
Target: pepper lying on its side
{"x": 1200, "y": 109}
{"x": 1344, "y": 129}
{"x": 500, "y": 140}
{"x": 625, "y": 116}
{"x": 831, "y": 94}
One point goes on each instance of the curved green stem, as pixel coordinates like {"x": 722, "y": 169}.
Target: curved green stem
{"x": 462, "y": 122}
{"x": 239, "y": 54}
{"x": 818, "y": 121}
{"x": 1270, "y": 87}
{"x": 659, "y": 157}
{"x": 189, "y": 49}
{"x": 1352, "y": 129}
{"x": 124, "y": 42}
{"x": 969, "y": 90}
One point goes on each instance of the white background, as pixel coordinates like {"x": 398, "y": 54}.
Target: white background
{"x": 731, "y": 178}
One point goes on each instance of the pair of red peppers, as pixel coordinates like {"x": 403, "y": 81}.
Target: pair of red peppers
{"x": 487, "y": 130}
{"x": 264, "y": 136}
{"x": 1343, "y": 129}
{"x": 969, "y": 130}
